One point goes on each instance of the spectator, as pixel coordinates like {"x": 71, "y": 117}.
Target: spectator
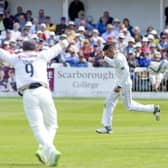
{"x": 3, "y": 82}
{"x": 2, "y": 27}
{"x": 71, "y": 26}
{"x": 130, "y": 47}
{"x": 15, "y": 32}
{"x": 145, "y": 59}
{"x": 86, "y": 49}
{"x": 80, "y": 18}
{"x": 41, "y": 16}
{"x": 60, "y": 28}
{"x": 99, "y": 59}
{"x": 19, "y": 13}
{"x": 11, "y": 82}
{"x": 101, "y": 25}
{"x": 137, "y": 34}
{"x": 127, "y": 24}
{"x": 133, "y": 63}
{"x": 8, "y": 20}
{"x": 155, "y": 35}
{"x": 49, "y": 25}
{"x": 121, "y": 44}
{"x": 29, "y": 16}
{"x": 71, "y": 57}
{"x": 82, "y": 62}
{"x": 90, "y": 25}
{"x": 74, "y": 8}
{"x": 145, "y": 45}
{"x": 126, "y": 34}
{"x": 35, "y": 26}
{"x": 22, "y": 22}
{"x": 116, "y": 27}
{"x": 109, "y": 19}
{"x": 109, "y": 33}
{"x": 155, "y": 76}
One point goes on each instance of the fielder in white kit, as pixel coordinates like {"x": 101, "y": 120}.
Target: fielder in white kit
{"x": 31, "y": 77}
{"x": 123, "y": 87}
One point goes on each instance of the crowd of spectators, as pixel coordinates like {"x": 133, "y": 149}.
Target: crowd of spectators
{"x": 138, "y": 48}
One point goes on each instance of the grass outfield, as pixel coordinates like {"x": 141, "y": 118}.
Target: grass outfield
{"x": 137, "y": 141}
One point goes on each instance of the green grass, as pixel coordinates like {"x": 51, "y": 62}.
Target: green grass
{"x": 137, "y": 141}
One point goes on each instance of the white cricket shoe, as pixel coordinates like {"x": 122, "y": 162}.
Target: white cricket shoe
{"x": 157, "y": 112}
{"x": 41, "y": 156}
{"x": 53, "y": 157}
{"x": 104, "y": 130}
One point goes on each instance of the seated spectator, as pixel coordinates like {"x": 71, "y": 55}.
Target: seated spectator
{"x": 19, "y": 13}
{"x": 15, "y": 33}
{"x": 109, "y": 32}
{"x": 148, "y": 31}
{"x": 49, "y": 25}
{"x": 82, "y": 62}
{"x": 145, "y": 44}
{"x": 60, "y": 28}
{"x": 71, "y": 26}
{"x": 3, "y": 82}
{"x": 155, "y": 35}
{"x": 109, "y": 18}
{"x": 29, "y": 16}
{"x": 137, "y": 34}
{"x": 22, "y": 22}
{"x": 99, "y": 59}
{"x": 126, "y": 34}
{"x": 116, "y": 27}
{"x": 155, "y": 76}
{"x": 71, "y": 57}
{"x": 130, "y": 46}
{"x": 2, "y": 26}
{"x": 163, "y": 44}
{"x": 133, "y": 63}
{"x": 145, "y": 59}
{"x": 80, "y": 18}
{"x": 11, "y": 82}
{"x": 138, "y": 50}
{"x": 90, "y": 25}
{"x": 41, "y": 16}
{"x": 128, "y": 26}
{"x": 8, "y": 20}
{"x": 101, "y": 25}
{"x": 121, "y": 44}
{"x": 86, "y": 49}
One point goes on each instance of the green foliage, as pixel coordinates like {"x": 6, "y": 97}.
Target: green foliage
{"x": 137, "y": 141}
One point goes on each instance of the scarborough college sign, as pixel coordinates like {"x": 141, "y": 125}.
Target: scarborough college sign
{"x": 82, "y": 82}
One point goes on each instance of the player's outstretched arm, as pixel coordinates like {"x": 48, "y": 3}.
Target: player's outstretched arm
{"x": 6, "y": 56}
{"x": 59, "y": 47}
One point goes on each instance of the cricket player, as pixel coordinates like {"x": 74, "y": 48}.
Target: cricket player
{"x": 31, "y": 77}
{"x": 123, "y": 87}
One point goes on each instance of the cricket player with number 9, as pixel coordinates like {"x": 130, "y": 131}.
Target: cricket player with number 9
{"x": 31, "y": 78}
{"x": 123, "y": 88}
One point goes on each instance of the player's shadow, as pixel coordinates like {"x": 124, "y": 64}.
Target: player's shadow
{"x": 17, "y": 165}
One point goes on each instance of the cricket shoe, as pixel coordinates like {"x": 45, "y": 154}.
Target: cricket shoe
{"x": 157, "y": 112}
{"x": 41, "y": 156}
{"x": 104, "y": 130}
{"x": 53, "y": 158}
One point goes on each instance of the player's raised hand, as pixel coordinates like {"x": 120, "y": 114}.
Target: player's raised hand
{"x": 71, "y": 36}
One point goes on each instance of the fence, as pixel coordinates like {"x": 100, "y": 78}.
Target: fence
{"x": 86, "y": 82}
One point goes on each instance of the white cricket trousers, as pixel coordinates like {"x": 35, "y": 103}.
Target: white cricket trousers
{"x": 41, "y": 114}
{"x": 126, "y": 97}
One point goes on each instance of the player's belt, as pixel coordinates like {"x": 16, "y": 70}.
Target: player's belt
{"x": 31, "y": 86}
